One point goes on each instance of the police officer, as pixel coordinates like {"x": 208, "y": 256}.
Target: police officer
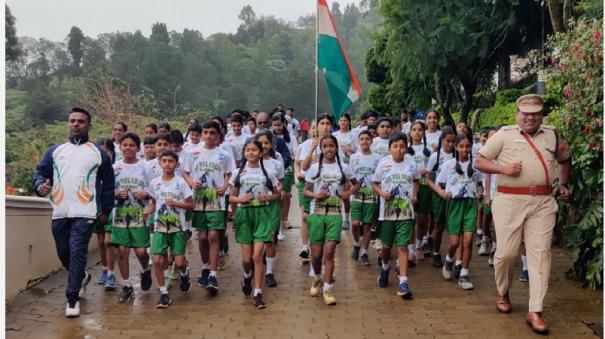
{"x": 528, "y": 157}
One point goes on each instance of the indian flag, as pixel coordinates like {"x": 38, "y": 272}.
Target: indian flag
{"x": 343, "y": 87}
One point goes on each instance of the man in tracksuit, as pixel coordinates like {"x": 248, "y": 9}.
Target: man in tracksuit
{"x": 78, "y": 178}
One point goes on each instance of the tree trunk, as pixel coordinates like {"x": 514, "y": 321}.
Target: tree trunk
{"x": 470, "y": 87}
{"x": 443, "y": 94}
{"x": 556, "y": 16}
{"x": 503, "y": 70}
{"x": 567, "y": 13}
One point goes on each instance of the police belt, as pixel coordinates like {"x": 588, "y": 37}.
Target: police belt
{"x": 531, "y": 190}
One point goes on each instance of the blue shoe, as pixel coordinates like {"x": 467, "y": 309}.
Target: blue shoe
{"x": 185, "y": 282}
{"x": 202, "y": 281}
{"x": 212, "y": 285}
{"x": 524, "y": 276}
{"x": 110, "y": 283}
{"x": 404, "y": 291}
{"x": 102, "y": 278}
{"x": 383, "y": 278}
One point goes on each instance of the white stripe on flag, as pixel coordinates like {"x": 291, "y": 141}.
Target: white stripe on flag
{"x": 352, "y": 95}
{"x": 326, "y": 27}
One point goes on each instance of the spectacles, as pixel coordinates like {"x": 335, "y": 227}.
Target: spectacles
{"x": 532, "y": 114}
{"x": 262, "y": 122}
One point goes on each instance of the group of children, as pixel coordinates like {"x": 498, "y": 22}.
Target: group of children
{"x": 395, "y": 189}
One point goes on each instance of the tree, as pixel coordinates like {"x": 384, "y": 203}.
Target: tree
{"x": 159, "y": 33}
{"x": 76, "y": 48}
{"x": 11, "y": 46}
{"x": 248, "y": 16}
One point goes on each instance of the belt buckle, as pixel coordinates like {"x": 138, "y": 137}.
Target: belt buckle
{"x": 532, "y": 190}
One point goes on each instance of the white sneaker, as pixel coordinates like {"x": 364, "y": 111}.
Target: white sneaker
{"x": 281, "y": 236}
{"x": 377, "y": 244}
{"x": 346, "y": 225}
{"x": 72, "y": 312}
{"x": 85, "y": 281}
{"x": 483, "y": 248}
{"x": 411, "y": 256}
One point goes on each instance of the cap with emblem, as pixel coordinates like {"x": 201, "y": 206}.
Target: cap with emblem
{"x": 530, "y": 103}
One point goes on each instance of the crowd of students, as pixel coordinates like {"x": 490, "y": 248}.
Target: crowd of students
{"x": 394, "y": 181}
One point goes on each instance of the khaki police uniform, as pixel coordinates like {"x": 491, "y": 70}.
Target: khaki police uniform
{"x": 524, "y": 206}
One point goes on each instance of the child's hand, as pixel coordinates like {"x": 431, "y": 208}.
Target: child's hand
{"x": 321, "y": 194}
{"x": 263, "y": 198}
{"x": 197, "y": 185}
{"x": 423, "y": 172}
{"x": 445, "y": 195}
{"x": 122, "y": 195}
{"x": 247, "y": 197}
{"x": 171, "y": 203}
{"x": 488, "y": 202}
{"x": 139, "y": 195}
{"x": 385, "y": 195}
{"x": 414, "y": 200}
{"x": 221, "y": 191}
{"x": 346, "y": 195}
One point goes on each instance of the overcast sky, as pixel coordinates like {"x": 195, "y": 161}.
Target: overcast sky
{"x": 53, "y": 19}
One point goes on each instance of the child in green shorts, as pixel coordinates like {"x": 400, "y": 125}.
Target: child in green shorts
{"x": 170, "y": 197}
{"x": 457, "y": 183}
{"x": 129, "y": 229}
{"x": 396, "y": 181}
{"x": 253, "y": 188}
{"x": 328, "y": 183}
{"x": 363, "y": 201}
{"x": 445, "y": 152}
{"x": 208, "y": 170}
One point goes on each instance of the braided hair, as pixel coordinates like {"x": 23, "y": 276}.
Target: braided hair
{"x": 459, "y": 138}
{"x": 343, "y": 178}
{"x": 242, "y": 165}
{"x": 425, "y": 151}
{"x": 445, "y": 131}
{"x": 282, "y": 118}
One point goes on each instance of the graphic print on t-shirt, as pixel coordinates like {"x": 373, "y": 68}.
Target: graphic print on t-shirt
{"x": 363, "y": 167}
{"x": 397, "y": 179}
{"x": 329, "y": 181}
{"x": 132, "y": 178}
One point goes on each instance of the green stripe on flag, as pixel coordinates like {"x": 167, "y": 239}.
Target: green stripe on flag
{"x": 333, "y": 63}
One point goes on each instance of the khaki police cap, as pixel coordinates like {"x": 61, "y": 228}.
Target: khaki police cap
{"x": 530, "y": 103}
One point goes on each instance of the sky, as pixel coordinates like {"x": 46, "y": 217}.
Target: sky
{"x": 53, "y": 19}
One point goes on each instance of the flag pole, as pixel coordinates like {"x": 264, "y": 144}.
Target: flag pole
{"x": 316, "y": 56}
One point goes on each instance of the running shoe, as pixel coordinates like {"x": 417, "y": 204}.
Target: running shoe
{"x": 185, "y": 282}
{"x": 247, "y": 285}
{"x": 346, "y": 225}
{"x": 365, "y": 261}
{"x": 72, "y": 309}
{"x": 281, "y": 236}
{"x": 355, "y": 252}
{"x": 465, "y": 283}
{"x": 447, "y": 270}
{"x": 164, "y": 301}
{"x": 524, "y": 276}
{"x": 202, "y": 281}
{"x": 315, "y": 289}
{"x": 102, "y": 278}
{"x": 85, "y": 281}
{"x": 304, "y": 255}
{"x": 110, "y": 283}
{"x": 259, "y": 303}
{"x": 212, "y": 284}
{"x": 483, "y": 248}
{"x": 270, "y": 280}
{"x": 437, "y": 260}
{"x": 146, "y": 280}
{"x": 329, "y": 298}
{"x": 383, "y": 278}
{"x": 404, "y": 291}
{"x": 457, "y": 271}
{"x": 125, "y": 294}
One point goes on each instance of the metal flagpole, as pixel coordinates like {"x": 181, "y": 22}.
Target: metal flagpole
{"x": 316, "y": 57}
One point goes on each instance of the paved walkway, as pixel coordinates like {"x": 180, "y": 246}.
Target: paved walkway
{"x": 440, "y": 309}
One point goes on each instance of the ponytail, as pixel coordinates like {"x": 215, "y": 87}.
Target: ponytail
{"x": 268, "y": 180}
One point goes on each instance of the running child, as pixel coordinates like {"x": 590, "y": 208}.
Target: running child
{"x": 129, "y": 229}
{"x": 396, "y": 181}
{"x": 328, "y": 183}
{"x": 364, "y": 200}
{"x": 303, "y": 202}
{"x": 380, "y": 145}
{"x": 194, "y": 138}
{"x": 457, "y": 183}
{"x": 278, "y": 122}
{"x": 117, "y": 130}
{"x": 170, "y": 197}
{"x": 149, "y": 152}
{"x": 253, "y": 188}
{"x": 433, "y": 134}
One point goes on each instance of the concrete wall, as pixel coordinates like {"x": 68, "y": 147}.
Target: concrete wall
{"x": 30, "y": 247}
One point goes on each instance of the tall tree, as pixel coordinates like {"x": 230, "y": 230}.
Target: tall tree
{"x": 75, "y": 46}
{"x": 159, "y": 33}
{"x": 11, "y": 46}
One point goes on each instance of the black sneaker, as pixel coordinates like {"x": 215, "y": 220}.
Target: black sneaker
{"x": 247, "y": 285}
{"x": 270, "y": 280}
{"x": 202, "y": 281}
{"x": 125, "y": 294}
{"x": 457, "y": 271}
{"x": 164, "y": 301}
{"x": 304, "y": 255}
{"x": 259, "y": 303}
{"x": 146, "y": 280}
{"x": 437, "y": 260}
{"x": 212, "y": 285}
{"x": 383, "y": 278}
{"x": 478, "y": 238}
{"x": 427, "y": 247}
{"x": 365, "y": 260}
{"x": 185, "y": 282}
{"x": 411, "y": 263}
{"x": 355, "y": 253}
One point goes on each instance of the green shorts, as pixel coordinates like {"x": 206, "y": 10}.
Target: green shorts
{"x": 162, "y": 241}
{"x": 275, "y": 214}
{"x": 324, "y": 228}
{"x": 461, "y": 216}
{"x": 188, "y": 215}
{"x": 423, "y": 204}
{"x": 398, "y": 233}
{"x": 303, "y": 201}
{"x": 204, "y": 221}
{"x": 132, "y": 237}
{"x": 253, "y": 225}
{"x": 288, "y": 182}
{"x": 438, "y": 209}
{"x": 363, "y": 211}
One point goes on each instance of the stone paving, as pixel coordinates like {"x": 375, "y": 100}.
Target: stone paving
{"x": 440, "y": 308}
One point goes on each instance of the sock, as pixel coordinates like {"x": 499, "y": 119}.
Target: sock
{"x": 105, "y": 268}
{"x": 327, "y": 286}
{"x": 109, "y": 273}
{"x": 126, "y": 282}
{"x": 163, "y": 289}
{"x": 305, "y": 248}
{"x": 213, "y": 274}
{"x": 479, "y": 232}
{"x": 448, "y": 258}
{"x": 403, "y": 279}
{"x": 205, "y": 266}
{"x": 364, "y": 251}
{"x": 270, "y": 262}
{"x": 146, "y": 269}
{"x": 356, "y": 243}
{"x": 458, "y": 262}
{"x": 385, "y": 265}
{"x": 464, "y": 272}
{"x": 257, "y": 291}
{"x": 397, "y": 262}
{"x": 247, "y": 275}
{"x": 221, "y": 253}
{"x": 184, "y": 273}
{"x": 411, "y": 247}
{"x": 418, "y": 243}
{"x": 425, "y": 238}
{"x": 435, "y": 253}
{"x": 524, "y": 260}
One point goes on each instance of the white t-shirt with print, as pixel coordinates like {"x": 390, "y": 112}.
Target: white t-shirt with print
{"x": 405, "y": 128}
{"x": 459, "y": 185}
{"x": 330, "y": 181}
{"x": 398, "y": 180}
{"x": 443, "y": 157}
{"x": 432, "y": 140}
{"x": 169, "y": 219}
{"x": 133, "y": 178}
{"x": 275, "y": 167}
{"x": 380, "y": 146}
{"x": 305, "y": 148}
{"x": 209, "y": 167}
{"x": 420, "y": 159}
{"x": 238, "y": 143}
{"x": 154, "y": 168}
{"x": 253, "y": 181}
{"x": 363, "y": 168}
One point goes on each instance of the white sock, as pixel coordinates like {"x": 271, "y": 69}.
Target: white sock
{"x": 364, "y": 251}
{"x": 464, "y": 272}
{"x": 411, "y": 247}
{"x": 448, "y": 258}
{"x": 385, "y": 265}
{"x": 425, "y": 239}
{"x": 205, "y": 266}
{"x": 104, "y": 268}
{"x": 403, "y": 279}
{"x": 213, "y": 274}
{"x": 479, "y": 232}
{"x": 435, "y": 253}
{"x": 184, "y": 273}
{"x": 270, "y": 262}
{"x": 418, "y": 243}
{"x": 163, "y": 289}
{"x": 312, "y": 272}
{"x": 247, "y": 275}
{"x": 257, "y": 291}
{"x": 356, "y": 243}
{"x": 327, "y": 286}
{"x": 458, "y": 262}
{"x": 126, "y": 282}
{"x": 221, "y": 253}
{"x": 524, "y": 260}
{"x": 109, "y": 273}
{"x": 305, "y": 248}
